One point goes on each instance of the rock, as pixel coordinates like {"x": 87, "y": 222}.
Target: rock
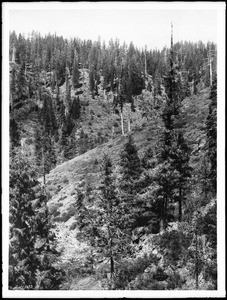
{"x": 155, "y": 252}
{"x": 153, "y": 268}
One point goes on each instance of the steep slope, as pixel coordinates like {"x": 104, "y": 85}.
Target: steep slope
{"x": 63, "y": 180}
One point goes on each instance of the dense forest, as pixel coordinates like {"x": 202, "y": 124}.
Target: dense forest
{"x": 112, "y": 165}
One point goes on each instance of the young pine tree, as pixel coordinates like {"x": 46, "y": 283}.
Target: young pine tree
{"x": 86, "y": 221}
{"x": 111, "y": 237}
{"x": 48, "y": 275}
{"x": 129, "y": 183}
{"x": 32, "y": 252}
{"x": 183, "y": 170}
{"x": 147, "y": 215}
{"x": 22, "y": 259}
{"x": 75, "y": 70}
{"x": 14, "y": 133}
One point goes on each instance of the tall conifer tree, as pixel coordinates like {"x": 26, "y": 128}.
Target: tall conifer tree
{"x": 211, "y": 128}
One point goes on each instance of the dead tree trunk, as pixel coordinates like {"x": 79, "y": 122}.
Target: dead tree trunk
{"x": 129, "y": 125}
{"x": 122, "y": 121}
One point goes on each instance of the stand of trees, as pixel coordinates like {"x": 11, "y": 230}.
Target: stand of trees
{"x": 32, "y": 249}
{"x": 145, "y": 195}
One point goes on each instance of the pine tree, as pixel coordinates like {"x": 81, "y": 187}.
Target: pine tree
{"x": 32, "y": 250}
{"x": 106, "y": 71}
{"x": 101, "y": 225}
{"x": 67, "y": 91}
{"x": 129, "y": 183}
{"x": 44, "y": 151}
{"x": 147, "y": 214}
{"x": 165, "y": 193}
{"x": 92, "y": 82}
{"x": 48, "y": 276}
{"x": 123, "y": 92}
{"x": 211, "y": 128}
{"x": 87, "y": 219}
{"x": 45, "y": 136}
{"x": 22, "y": 260}
{"x": 14, "y": 133}
{"x": 181, "y": 165}
{"x": 137, "y": 82}
{"x": 109, "y": 216}
{"x": 75, "y": 70}
{"x": 174, "y": 156}
{"x": 75, "y": 108}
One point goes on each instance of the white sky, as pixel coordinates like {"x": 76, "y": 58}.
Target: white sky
{"x": 143, "y": 23}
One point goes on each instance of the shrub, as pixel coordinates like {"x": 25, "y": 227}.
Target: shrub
{"x": 73, "y": 226}
{"x": 65, "y": 216}
{"x": 65, "y": 180}
{"x": 59, "y": 187}
{"x": 56, "y": 213}
{"x": 62, "y": 197}
{"x": 81, "y": 183}
{"x": 96, "y": 162}
{"x": 129, "y": 269}
{"x": 53, "y": 210}
{"x": 51, "y": 188}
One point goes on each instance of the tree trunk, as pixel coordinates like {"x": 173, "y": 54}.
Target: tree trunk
{"x": 44, "y": 178}
{"x": 129, "y": 125}
{"x": 196, "y": 262}
{"x": 180, "y": 204}
{"x": 43, "y": 163}
{"x": 163, "y": 214}
{"x": 92, "y": 262}
{"x": 210, "y": 64}
{"x": 112, "y": 284}
{"x": 161, "y": 224}
{"x": 113, "y": 132}
{"x": 104, "y": 94}
{"x": 112, "y": 272}
{"x": 122, "y": 122}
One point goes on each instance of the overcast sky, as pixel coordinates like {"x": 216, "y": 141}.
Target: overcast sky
{"x": 143, "y": 23}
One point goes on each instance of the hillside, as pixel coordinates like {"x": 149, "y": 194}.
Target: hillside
{"x": 63, "y": 180}
{"x": 113, "y": 168}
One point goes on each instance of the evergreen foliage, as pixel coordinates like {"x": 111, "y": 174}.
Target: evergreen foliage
{"x": 30, "y": 255}
{"x": 22, "y": 262}
{"x": 174, "y": 157}
{"x": 48, "y": 275}
{"x": 212, "y": 136}
{"x": 149, "y": 223}
{"x": 129, "y": 184}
